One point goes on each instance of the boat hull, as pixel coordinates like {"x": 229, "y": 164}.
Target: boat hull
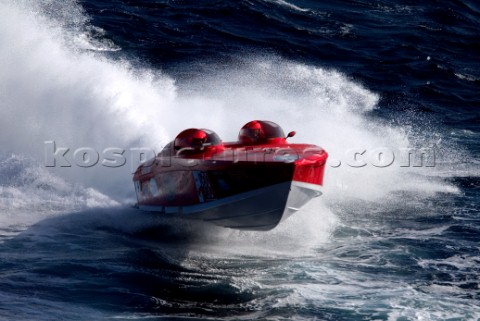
{"x": 234, "y": 186}
{"x": 258, "y": 210}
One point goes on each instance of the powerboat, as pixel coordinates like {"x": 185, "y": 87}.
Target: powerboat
{"x": 250, "y": 184}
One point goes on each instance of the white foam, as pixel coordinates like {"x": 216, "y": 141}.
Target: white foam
{"x": 74, "y": 97}
{"x": 29, "y": 193}
{"x": 305, "y": 231}
{"x": 290, "y": 5}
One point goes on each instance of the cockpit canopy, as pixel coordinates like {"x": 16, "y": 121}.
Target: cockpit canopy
{"x": 259, "y": 131}
{"x": 194, "y": 139}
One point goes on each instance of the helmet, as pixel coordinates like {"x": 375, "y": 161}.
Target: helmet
{"x": 251, "y": 133}
{"x": 195, "y": 139}
{"x": 259, "y": 131}
{"x": 191, "y": 138}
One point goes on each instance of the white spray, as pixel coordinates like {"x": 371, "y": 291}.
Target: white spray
{"x": 50, "y": 89}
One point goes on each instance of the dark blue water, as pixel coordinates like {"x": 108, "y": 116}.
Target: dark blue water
{"x": 396, "y": 243}
{"x": 420, "y": 56}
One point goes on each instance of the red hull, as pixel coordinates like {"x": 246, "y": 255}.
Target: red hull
{"x": 231, "y": 184}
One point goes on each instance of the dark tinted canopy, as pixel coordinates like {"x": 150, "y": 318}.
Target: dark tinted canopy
{"x": 258, "y": 131}
{"x": 194, "y": 138}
